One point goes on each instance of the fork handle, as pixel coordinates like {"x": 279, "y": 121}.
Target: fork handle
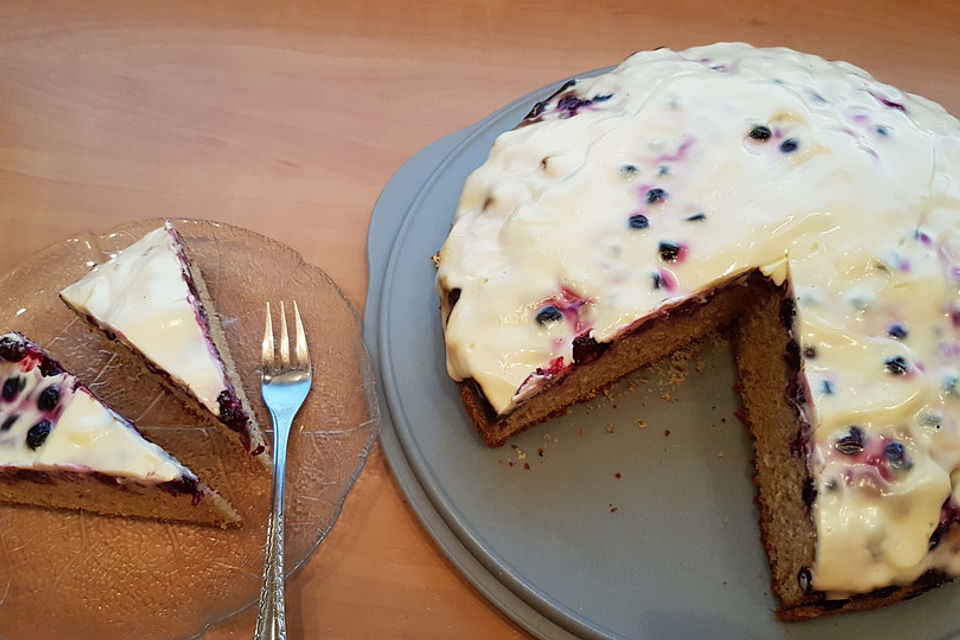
{"x": 271, "y": 619}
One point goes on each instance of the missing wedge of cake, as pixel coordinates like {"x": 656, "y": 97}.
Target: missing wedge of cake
{"x": 61, "y": 447}
{"x": 153, "y": 299}
{"x": 805, "y": 207}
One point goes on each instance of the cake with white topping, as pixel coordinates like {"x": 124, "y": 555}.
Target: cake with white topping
{"x": 807, "y": 208}
{"x": 62, "y": 447}
{"x": 151, "y": 298}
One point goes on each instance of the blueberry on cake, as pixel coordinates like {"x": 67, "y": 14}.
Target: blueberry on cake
{"x": 61, "y": 447}
{"x": 151, "y": 298}
{"x": 808, "y": 209}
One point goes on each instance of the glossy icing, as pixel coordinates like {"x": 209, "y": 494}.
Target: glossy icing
{"x": 653, "y": 182}
{"x": 142, "y": 296}
{"x": 79, "y": 434}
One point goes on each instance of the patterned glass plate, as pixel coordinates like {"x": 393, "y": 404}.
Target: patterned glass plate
{"x": 81, "y": 575}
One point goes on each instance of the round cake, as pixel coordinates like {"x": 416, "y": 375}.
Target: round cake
{"x": 807, "y": 208}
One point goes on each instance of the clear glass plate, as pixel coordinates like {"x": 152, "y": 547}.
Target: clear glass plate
{"x": 80, "y": 575}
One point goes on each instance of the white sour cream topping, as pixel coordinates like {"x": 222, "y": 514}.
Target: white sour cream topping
{"x": 84, "y": 435}
{"x": 849, "y": 188}
{"x": 141, "y": 295}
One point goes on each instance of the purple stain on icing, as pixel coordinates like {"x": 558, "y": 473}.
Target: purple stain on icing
{"x": 923, "y": 237}
{"x": 949, "y": 517}
{"x": 568, "y": 305}
{"x": 890, "y": 104}
{"x": 949, "y": 349}
{"x": 677, "y": 156}
{"x": 872, "y": 461}
{"x": 663, "y": 279}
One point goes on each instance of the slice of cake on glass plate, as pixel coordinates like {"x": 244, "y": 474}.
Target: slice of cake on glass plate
{"x": 151, "y": 298}
{"x": 61, "y": 447}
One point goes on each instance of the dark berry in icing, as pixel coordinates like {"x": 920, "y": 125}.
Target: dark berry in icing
{"x": 789, "y": 145}
{"x": 12, "y": 387}
{"x": 851, "y": 443}
{"x": 656, "y": 195}
{"x": 549, "y": 314}
{"x": 897, "y": 365}
{"x": 38, "y": 433}
{"x": 896, "y": 455}
{"x": 670, "y": 251}
{"x": 897, "y": 331}
{"x": 760, "y": 133}
{"x": 48, "y": 399}
{"x": 12, "y": 349}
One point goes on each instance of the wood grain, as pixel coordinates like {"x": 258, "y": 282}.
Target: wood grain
{"x": 288, "y": 117}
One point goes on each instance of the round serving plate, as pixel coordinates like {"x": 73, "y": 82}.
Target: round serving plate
{"x": 631, "y": 517}
{"x": 80, "y": 575}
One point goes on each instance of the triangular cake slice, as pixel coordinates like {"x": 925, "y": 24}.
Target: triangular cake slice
{"x": 153, "y": 300}
{"x": 62, "y": 447}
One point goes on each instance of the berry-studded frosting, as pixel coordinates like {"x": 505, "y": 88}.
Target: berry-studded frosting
{"x": 51, "y": 422}
{"x": 142, "y": 296}
{"x": 628, "y": 191}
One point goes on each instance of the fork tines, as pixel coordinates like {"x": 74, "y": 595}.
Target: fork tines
{"x": 268, "y": 351}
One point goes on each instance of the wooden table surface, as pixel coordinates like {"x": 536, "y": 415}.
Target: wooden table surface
{"x": 288, "y": 118}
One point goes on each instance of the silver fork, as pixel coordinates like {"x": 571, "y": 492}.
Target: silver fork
{"x": 284, "y": 389}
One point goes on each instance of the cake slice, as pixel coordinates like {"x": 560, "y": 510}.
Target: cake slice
{"x": 153, "y": 300}
{"x": 61, "y": 447}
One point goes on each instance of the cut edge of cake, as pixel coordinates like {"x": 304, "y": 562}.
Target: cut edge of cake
{"x": 132, "y": 488}
{"x": 235, "y": 412}
{"x": 759, "y": 317}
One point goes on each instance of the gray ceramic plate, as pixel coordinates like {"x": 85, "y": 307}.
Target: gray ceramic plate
{"x": 631, "y": 517}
